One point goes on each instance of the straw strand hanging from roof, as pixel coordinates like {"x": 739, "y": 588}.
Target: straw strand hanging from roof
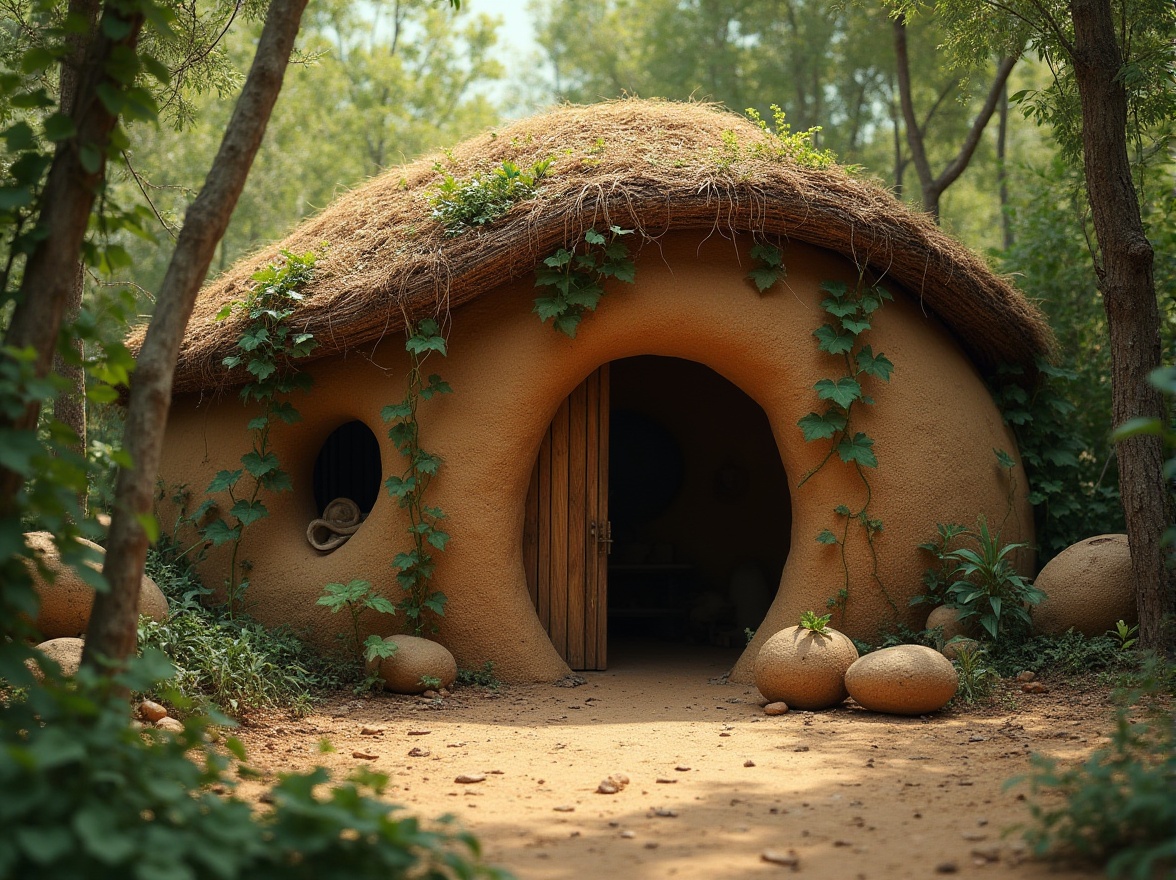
{"x": 647, "y": 165}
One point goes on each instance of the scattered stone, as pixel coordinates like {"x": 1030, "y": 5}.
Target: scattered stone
{"x": 973, "y": 836}
{"x": 371, "y": 731}
{"x": 664, "y": 813}
{"x": 364, "y": 756}
{"x": 801, "y": 749}
{"x": 628, "y": 835}
{"x": 570, "y": 681}
{"x": 947, "y": 868}
{"x": 805, "y": 669}
{"x": 786, "y": 859}
{"x": 749, "y": 763}
{"x": 470, "y": 778}
{"x": 422, "y": 733}
{"x": 724, "y": 733}
{"x": 65, "y": 652}
{"x": 1026, "y": 675}
{"x": 1034, "y": 687}
{"x": 418, "y": 752}
{"x": 444, "y": 692}
{"x": 776, "y": 708}
{"x": 902, "y": 680}
{"x": 682, "y": 768}
{"x": 564, "y": 808}
{"x": 987, "y": 853}
{"x": 840, "y": 842}
{"x": 430, "y": 694}
{"x": 171, "y": 725}
{"x": 622, "y": 779}
{"x": 947, "y": 621}
{"x": 653, "y": 844}
{"x": 149, "y": 710}
{"x": 959, "y": 645}
{"x": 607, "y": 786}
{"x": 662, "y": 780}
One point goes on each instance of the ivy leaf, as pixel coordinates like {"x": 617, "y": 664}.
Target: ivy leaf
{"x": 843, "y": 392}
{"x": 223, "y": 481}
{"x": 764, "y": 277}
{"x": 826, "y": 537}
{"x": 249, "y": 512}
{"x": 218, "y": 532}
{"x": 835, "y": 289}
{"x": 622, "y": 270}
{"x": 379, "y": 603}
{"x": 833, "y": 340}
{"x": 768, "y": 254}
{"x": 399, "y": 487}
{"x": 859, "y": 449}
{"x": 436, "y": 385}
{"x": 840, "y": 308}
{"x": 261, "y": 368}
{"x": 594, "y": 237}
{"x": 876, "y": 365}
{"x": 560, "y": 258}
{"x": 586, "y": 297}
{"x": 1006, "y": 462}
{"x": 854, "y": 326}
{"x": 567, "y": 324}
{"x": 260, "y": 465}
{"x": 822, "y": 427}
{"x": 548, "y": 307}
{"x": 438, "y": 538}
{"x": 396, "y": 411}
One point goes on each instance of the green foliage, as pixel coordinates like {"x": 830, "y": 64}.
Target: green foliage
{"x": 482, "y": 676}
{"x": 228, "y": 664}
{"x": 415, "y": 566}
{"x": 357, "y": 596}
{"x": 1116, "y": 808}
{"x": 977, "y": 678}
{"x": 100, "y": 799}
{"x": 267, "y": 347}
{"x": 985, "y": 585}
{"x": 576, "y": 277}
{"x": 1070, "y": 653}
{"x": 1127, "y": 635}
{"x": 483, "y": 198}
{"x": 770, "y": 268}
{"x": 818, "y": 623}
{"x": 938, "y": 577}
{"x": 782, "y": 145}
{"x": 430, "y": 682}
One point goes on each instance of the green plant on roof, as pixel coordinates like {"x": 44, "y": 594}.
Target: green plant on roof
{"x": 818, "y": 623}
{"x": 483, "y": 198}
{"x": 781, "y": 144}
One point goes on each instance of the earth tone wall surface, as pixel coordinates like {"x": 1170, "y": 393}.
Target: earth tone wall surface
{"x": 934, "y": 426}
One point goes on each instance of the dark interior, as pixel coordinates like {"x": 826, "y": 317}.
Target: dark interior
{"x": 699, "y": 504}
{"x": 348, "y": 466}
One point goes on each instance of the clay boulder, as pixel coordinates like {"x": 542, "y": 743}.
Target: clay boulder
{"x": 415, "y": 659}
{"x": 66, "y": 653}
{"x": 803, "y": 668}
{"x": 1088, "y": 586}
{"x": 66, "y": 599}
{"x": 903, "y": 680}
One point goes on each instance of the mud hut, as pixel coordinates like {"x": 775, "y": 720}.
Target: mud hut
{"x": 651, "y": 476}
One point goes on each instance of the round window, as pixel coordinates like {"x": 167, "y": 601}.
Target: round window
{"x": 348, "y": 466}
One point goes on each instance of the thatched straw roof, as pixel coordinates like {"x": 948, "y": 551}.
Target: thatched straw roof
{"x": 646, "y": 165}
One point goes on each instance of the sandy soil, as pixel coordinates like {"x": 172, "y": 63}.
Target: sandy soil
{"x": 714, "y": 783}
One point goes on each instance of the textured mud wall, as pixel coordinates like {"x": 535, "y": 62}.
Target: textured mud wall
{"x": 934, "y": 425}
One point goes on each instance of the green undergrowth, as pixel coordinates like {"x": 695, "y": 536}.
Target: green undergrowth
{"x": 1068, "y": 654}
{"x": 232, "y": 664}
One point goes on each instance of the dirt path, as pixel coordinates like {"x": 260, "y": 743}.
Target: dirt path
{"x": 714, "y": 783}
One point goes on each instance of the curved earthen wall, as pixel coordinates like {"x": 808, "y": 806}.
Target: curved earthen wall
{"x": 934, "y": 426}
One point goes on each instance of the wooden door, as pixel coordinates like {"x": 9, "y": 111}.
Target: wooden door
{"x": 566, "y": 535}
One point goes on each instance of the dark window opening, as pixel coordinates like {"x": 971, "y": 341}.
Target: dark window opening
{"x": 348, "y": 466}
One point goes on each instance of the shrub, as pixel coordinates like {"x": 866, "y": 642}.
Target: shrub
{"x": 88, "y": 796}
{"x": 1117, "y": 807}
{"x": 1068, "y": 654}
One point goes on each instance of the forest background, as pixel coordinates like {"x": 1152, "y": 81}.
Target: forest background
{"x": 377, "y": 85}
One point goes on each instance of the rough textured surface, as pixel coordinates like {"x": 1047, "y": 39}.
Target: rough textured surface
{"x": 934, "y": 428}
{"x": 952, "y": 650}
{"x": 948, "y": 622}
{"x": 1088, "y": 586}
{"x": 416, "y": 658}
{"x": 804, "y": 669}
{"x": 903, "y": 680}
{"x": 65, "y": 652}
{"x": 66, "y": 599}
{"x": 653, "y": 166}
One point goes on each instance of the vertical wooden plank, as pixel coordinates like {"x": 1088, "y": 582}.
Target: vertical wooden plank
{"x": 592, "y": 555}
{"x": 531, "y": 536}
{"x": 559, "y": 530}
{"x": 543, "y": 560}
{"x": 602, "y": 516}
{"x": 577, "y": 523}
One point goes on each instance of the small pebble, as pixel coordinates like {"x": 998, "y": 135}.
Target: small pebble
{"x": 681, "y": 768}
{"x": 1026, "y": 675}
{"x": 607, "y": 786}
{"x": 776, "y": 708}
{"x": 1034, "y": 687}
{"x": 773, "y": 856}
{"x": 371, "y": 731}
{"x": 564, "y": 808}
{"x": 664, "y": 813}
{"x": 947, "y": 868}
{"x": 749, "y": 763}
{"x": 430, "y": 694}
{"x": 170, "y": 725}
{"x": 651, "y": 845}
{"x": 364, "y": 756}
{"x": 470, "y": 778}
{"x": 419, "y": 753}
{"x": 661, "y": 780}
{"x": 987, "y": 853}
{"x": 419, "y": 732}
{"x": 628, "y": 835}
{"x": 151, "y": 711}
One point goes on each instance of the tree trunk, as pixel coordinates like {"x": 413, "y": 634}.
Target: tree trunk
{"x": 112, "y": 632}
{"x": 1129, "y": 298}
{"x": 69, "y": 408}
{"x": 51, "y": 270}
{"x": 1002, "y": 169}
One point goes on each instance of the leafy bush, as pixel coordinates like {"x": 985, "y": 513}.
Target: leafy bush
{"x": 231, "y": 663}
{"x": 977, "y": 677}
{"x": 1068, "y": 654}
{"x": 483, "y": 198}
{"x": 88, "y": 796}
{"x": 482, "y": 676}
{"x": 1117, "y": 807}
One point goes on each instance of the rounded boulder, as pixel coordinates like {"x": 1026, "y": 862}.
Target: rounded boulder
{"x": 947, "y": 621}
{"x": 415, "y": 659}
{"x": 903, "y": 680}
{"x": 803, "y": 668}
{"x": 66, "y": 653}
{"x": 66, "y": 599}
{"x": 1088, "y": 586}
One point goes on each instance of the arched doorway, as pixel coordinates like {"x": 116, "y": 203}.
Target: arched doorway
{"x": 658, "y": 512}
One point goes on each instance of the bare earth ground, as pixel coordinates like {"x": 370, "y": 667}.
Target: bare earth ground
{"x": 714, "y": 783}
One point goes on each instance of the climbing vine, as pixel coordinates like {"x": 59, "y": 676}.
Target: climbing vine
{"x": 266, "y": 349}
{"x": 576, "y": 277}
{"x": 850, "y": 311}
{"x": 414, "y": 568}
